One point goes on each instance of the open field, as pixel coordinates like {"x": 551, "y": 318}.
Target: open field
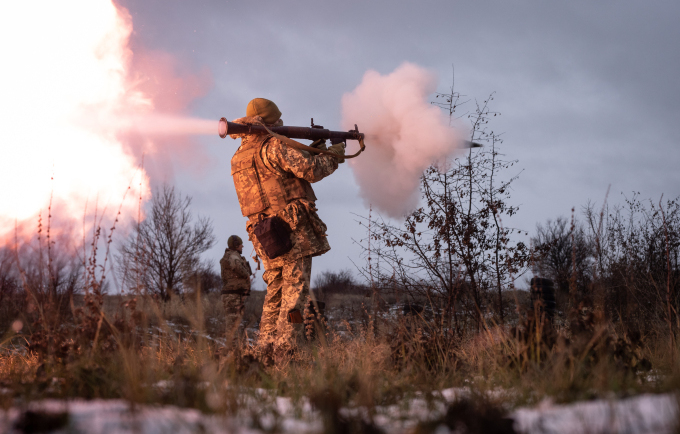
{"x": 382, "y": 372}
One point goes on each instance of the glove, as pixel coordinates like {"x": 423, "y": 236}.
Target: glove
{"x": 319, "y": 144}
{"x": 339, "y": 149}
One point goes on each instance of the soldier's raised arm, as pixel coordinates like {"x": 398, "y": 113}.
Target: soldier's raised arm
{"x": 311, "y": 168}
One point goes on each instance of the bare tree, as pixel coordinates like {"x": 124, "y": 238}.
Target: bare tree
{"x": 563, "y": 252}
{"x": 164, "y": 251}
{"x": 454, "y": 251}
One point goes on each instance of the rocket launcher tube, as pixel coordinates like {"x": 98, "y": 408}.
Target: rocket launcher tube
{"x": 286, "y": 134}
{"x": 307, "y": 133}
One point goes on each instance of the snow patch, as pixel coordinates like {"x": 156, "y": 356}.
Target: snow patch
{"x": 640, "y": 415}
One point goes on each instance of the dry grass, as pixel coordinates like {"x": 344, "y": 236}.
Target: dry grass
{"x": 171, "y": 354}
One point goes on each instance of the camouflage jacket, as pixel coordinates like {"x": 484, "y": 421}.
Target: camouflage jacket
{"x": 236, "y": 272}
{"x": 295, "y": 205}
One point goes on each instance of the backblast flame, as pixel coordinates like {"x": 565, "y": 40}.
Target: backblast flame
{"x": 70, "y": 65}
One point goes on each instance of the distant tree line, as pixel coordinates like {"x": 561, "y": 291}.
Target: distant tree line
{"x": 337, "y": 282}
{"x": 623, "y": 259}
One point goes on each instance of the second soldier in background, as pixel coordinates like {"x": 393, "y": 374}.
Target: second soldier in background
{"x": 236, "y": 274}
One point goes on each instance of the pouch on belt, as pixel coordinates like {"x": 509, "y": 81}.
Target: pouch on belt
{"x": 274, "y": 235}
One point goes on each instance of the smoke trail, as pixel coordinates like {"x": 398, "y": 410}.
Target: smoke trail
{"x": 79, "y": 110}
{"x": 404, "y": 136}
{"x": 162, "y": 128}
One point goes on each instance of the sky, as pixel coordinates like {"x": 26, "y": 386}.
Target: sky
{"x": 587, "y": 91}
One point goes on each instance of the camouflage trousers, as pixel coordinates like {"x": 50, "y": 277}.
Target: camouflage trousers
{"x": 234, "y": 306}
{"x": 283, "y": 310}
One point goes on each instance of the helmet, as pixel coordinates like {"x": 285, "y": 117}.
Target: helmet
{"x": 234, "y": 241}
{"x": 264, "y": 108}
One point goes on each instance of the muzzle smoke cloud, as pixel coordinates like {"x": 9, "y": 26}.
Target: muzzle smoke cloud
{"x": 79, "y": 110}
{"x": 404, "y": 136}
